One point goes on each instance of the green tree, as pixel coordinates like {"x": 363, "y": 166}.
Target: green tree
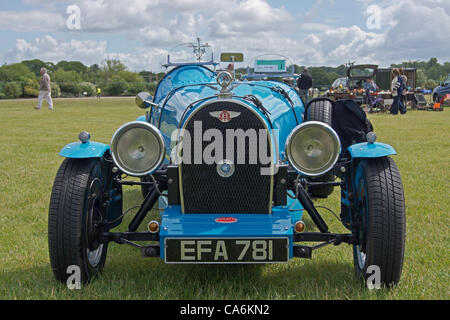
{"x": 111, "y": 68}
{"x": 16, "y": 72}
{"x": 13, "y": 90}
{"x": 420, "y": 78}
{"x": 35, "y": 66}
{"x": 88, "y": 89}
{"x": 63, "y": 76}
{"x": 75, "y": 66}
{"x": 116, "y": 86}
{"x": 94, "y": 74}
{"x": 130, "y": 77}
{"x": 31, "y": 88}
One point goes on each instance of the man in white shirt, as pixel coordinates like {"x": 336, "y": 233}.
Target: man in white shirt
{"x": 45, "y": 91}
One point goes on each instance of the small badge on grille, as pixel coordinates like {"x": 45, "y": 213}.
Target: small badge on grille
{"x": 225, "y": 116}
{"x": 226, "y": 220}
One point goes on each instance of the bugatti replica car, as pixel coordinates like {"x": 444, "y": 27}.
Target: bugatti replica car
{"x": 234, "y": 166}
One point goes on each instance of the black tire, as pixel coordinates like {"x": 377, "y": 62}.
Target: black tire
{"x": 75, "y": 209}
{"x": 321, "y": 110}
{"x": 381, "y": 219}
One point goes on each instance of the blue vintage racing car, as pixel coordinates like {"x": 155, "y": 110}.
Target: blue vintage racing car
{"x": 233, "y": 166}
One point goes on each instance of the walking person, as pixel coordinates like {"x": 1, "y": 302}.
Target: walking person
{"x": 304, "y": 83}
{"x": 99, "y": 93}
{"x": 45, "y": 91}
{"x": 398, "y": 88}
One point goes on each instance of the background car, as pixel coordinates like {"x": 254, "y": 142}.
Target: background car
{"x": 351, "y": 87}
{"x": 440, "y": 91}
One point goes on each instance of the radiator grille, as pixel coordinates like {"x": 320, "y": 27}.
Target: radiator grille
{"x": 204, "y": 190}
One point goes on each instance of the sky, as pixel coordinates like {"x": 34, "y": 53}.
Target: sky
{"x": 141, "y": 33}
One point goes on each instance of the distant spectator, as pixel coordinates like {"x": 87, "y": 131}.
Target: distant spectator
{"x": 99, "y": 93}
{"x": 370, "y": 85}
{"x": 304, "y": 83}
{"x": 398, "y": 87}
{"x": 45, "y": 91}
{"x": 405, "y": 90}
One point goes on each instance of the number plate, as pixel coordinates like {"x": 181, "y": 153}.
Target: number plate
{"x": 227, "y": 250}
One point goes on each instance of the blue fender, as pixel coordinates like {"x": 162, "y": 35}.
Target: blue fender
{"x": 78, "y": 150}
{"x": 371, "y": 150}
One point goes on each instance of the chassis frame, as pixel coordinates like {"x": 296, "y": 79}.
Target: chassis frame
{"x": 295, "y": 183}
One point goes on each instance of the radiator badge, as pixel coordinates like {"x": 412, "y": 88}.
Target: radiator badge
{"x": 226, "y": 220}
{"x": 225, "y": 116}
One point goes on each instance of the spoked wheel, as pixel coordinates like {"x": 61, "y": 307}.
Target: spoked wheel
{"x": 75, "y": 216}
{"x": 380, "y": 220}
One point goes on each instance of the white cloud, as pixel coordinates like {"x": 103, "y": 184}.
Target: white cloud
{"x": 31, "y": 21}
{"x": 48, "y": 48}
{"x": 415, "y": 29}
{"x": 89, "y": 52}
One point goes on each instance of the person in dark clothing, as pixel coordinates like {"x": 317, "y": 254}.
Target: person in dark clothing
{"x": 304, "y": 83}
{"x": 398, "y": 87}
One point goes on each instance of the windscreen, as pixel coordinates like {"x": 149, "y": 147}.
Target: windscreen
{"x": 362, "y": 72}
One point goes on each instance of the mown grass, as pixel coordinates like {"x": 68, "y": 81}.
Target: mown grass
{"x": 29, "y": 144}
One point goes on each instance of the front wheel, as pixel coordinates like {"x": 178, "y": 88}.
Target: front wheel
{"x": 380, "y": 220}
{"x": 75, "y": 216}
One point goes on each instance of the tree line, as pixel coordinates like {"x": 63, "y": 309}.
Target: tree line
{"x": 74, "y": 79}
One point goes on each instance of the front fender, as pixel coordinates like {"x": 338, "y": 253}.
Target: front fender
{"x": 90, "y": 149}
{"x": 371, "y": 150}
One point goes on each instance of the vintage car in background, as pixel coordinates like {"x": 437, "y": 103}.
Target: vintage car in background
{"x": 352, "y": 86}
{"x": 442, "y": 90}
{"x": 234, "y": 167}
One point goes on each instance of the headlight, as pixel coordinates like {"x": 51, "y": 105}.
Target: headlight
{"x": 313, "y": 148}
{"x": 138, "y": 148}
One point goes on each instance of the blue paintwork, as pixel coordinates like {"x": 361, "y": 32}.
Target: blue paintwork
{"x": 78, "y": 150}
{"x": 182, "y": 76}
{"x": 185, "y": 86}
{"x": 192, "y": 86}
{"x": 278, "y": 224}
{"x": 371, "y": 150}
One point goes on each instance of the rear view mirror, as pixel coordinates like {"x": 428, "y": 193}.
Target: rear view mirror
{"x": 142, "y": 99}
{"x": 232, "y": 57}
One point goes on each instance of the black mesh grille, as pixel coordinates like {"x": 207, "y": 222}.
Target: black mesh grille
{"x": 247, "y": 190}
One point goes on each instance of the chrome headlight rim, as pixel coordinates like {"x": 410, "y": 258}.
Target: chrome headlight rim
{"x": 296, "y": 130}
{"x": 136, "y": 124}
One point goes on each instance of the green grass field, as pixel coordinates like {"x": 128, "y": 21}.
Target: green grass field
{"x": 29, "y": 144}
